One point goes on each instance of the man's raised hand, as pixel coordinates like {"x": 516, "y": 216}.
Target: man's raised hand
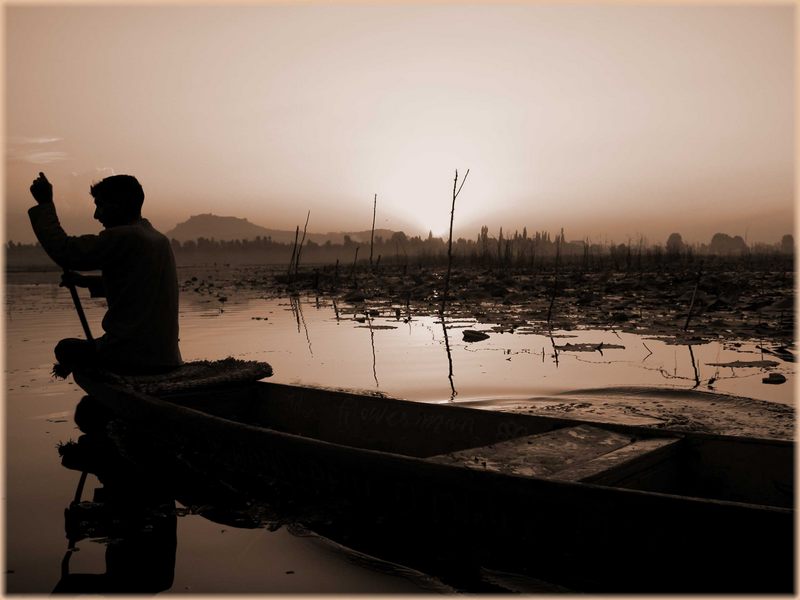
{"x": 42, "y": 190}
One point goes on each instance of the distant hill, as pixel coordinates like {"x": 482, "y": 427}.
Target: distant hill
{"x": 233, "y": 228}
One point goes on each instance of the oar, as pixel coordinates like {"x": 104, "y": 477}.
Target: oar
{"x": 71, "y": 541}
{"x": 77, "y": 302}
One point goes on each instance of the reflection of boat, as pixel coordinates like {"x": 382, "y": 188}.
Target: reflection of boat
{"x": 134, "y": 514}
{"x": 595, "y": 507}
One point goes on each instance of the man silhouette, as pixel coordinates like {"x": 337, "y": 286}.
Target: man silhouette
{"x": 138, "y": 279}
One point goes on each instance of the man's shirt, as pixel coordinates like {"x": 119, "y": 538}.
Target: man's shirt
{"x": 141, "y": 285}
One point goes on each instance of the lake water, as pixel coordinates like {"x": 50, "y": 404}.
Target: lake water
{"x": 307, "y": 341}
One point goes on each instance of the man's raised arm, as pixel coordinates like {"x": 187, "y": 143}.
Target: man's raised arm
{"x": 84, "y": 252}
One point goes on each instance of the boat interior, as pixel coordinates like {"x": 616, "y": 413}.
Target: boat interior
{"x": 745, "y": 470}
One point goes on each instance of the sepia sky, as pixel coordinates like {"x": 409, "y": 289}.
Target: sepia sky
{"x": 612, "y": 121}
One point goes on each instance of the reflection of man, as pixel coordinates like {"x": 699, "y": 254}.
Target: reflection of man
{"x": 139, "y": 279}
{"x": 140, "y": 559}
{"x": 136, "y": 515}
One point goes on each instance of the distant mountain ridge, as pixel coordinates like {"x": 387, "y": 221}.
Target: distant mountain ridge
{"x": 234, "y": 228}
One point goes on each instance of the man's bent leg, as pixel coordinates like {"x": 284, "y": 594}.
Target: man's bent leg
{"x": 74, "y": 353}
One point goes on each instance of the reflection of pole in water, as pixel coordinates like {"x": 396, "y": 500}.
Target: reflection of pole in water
{"x": 675, "y": 360}
{"x": 453, "y": 392}
{"x": 694, "y": 366}
{"x": 295, "y": 313}
{"x": 302, "y": 318}
{"x": 298, "y": 310}
{"x": 372, "y": 343}
{"x": 674, "y": 375}
{"x": 555, "y": 350}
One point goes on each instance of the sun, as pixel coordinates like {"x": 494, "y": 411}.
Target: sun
{"x": 419, "y": 193}
{"x": 418, "y": 214}
{"x": 438, "y": 227}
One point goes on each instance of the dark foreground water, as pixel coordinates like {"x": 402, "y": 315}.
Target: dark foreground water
{"x": 310, "y": 342}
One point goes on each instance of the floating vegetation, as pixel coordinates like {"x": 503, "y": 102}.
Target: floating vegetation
{"x": 568, "y": 347}
{"x": 758, "y": 364}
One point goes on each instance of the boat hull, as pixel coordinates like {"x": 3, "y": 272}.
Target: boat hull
{"x": 587, "y": 536}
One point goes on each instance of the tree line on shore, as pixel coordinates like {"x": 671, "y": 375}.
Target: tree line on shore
{"x": 517, "y": 249}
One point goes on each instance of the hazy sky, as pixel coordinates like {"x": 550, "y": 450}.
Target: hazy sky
{"x": 609, "y": 120}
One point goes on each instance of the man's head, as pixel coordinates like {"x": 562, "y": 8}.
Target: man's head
{"x": 118, "y": 199}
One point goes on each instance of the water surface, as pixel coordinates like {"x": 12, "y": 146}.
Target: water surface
{"x": 308, "y": 341}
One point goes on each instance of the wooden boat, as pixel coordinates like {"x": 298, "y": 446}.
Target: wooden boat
{"x": 597, "y": 507}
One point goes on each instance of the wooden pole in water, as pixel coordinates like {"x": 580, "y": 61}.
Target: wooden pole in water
{"x": 294, "y": 249}
{"x": 555, "y": 277}
{"x": 694, "y": 296}
{"x": 300, "y": 247}
{"x": 355, "y": 260}
{"x": 372, "y": 234}
{"x": 450, "y": 240}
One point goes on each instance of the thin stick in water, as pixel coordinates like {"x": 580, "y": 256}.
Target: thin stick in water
{"x": 294, "y": 249}
{"x": 372, "y": 233}
{"x": 450, "y": 239}
{"x": 300, "y": 247}
{"x": 355, "y": 260}
{"x": 694, "y": 296}
{"x": 555, "y": 277}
